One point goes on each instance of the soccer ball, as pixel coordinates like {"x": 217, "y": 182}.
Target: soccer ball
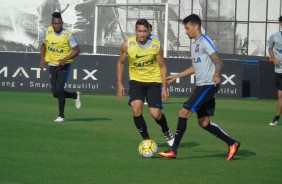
{"x": 148, "y": 148}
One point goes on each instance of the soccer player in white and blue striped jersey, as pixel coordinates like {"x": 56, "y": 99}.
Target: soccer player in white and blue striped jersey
{"x": 206, "y": 65}
{"x": 275, "y": 52}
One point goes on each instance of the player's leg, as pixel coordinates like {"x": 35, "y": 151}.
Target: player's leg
{"x": 198, "y": 98}
{"x": 214, "y": 129}
{"x": 278, "y": 82}
{"x": 137, "y": 93}
{"x": 180, "y": 130}
{"x": 183, "y": 115}
{"x": 53, "y": 70}
{"x": 62, "y": 76}
{"x": 154, "y": 101}
{"x": 72, "y": 95}
{"x": 53, "y": 78}
{"x": 204, "y": 114}
{"x": 65, "y": 76}
{"x": 191, "y": 105}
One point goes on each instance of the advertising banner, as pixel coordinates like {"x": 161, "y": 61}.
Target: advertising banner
{"x": 96, "y": 74}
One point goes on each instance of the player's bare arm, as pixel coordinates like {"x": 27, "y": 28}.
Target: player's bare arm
{"x": 271, "y": 54}
{"x": 163, "y": 69}
{"x": 42, "y": 60}
{"x": 120, "y": 67}
{"x": 75, "y": 51}
{"x": 188, "y": 71}
{"x": 218, "y": 66}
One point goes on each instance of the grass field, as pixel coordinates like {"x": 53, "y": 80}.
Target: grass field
{"x": 98, "y": 143}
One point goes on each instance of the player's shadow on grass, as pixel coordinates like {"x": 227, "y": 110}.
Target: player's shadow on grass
{"x": 241, "y": 154}
{"x": 89, "y": 119}
{"x": 185, "y": 144}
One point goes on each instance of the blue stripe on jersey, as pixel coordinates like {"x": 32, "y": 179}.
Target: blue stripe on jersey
{"x": 209, "y": 42}
{"x": 201, "y": 97}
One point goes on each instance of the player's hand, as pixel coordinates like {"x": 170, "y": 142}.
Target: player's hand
{"x": 276, "y": 61}
{"x": 170, "y": 79}
{"x": 62, "y": 62}
{"x": 120, "y": 91}
{"x": 216, "y": 79}
{"x": 164, "y": 95}
{"x": 42, "y": 64}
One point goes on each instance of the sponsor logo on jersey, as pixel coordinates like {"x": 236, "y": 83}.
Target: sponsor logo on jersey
{"x": 132, "y": 43}
{"x": 143, "y": 64}
{"x": 140, "y": 56}
{"x": 197, "y": 49}
{"x": 197, "y": 60}
{"x": 66, "y": 34}
{"x": 51, "y": 49}
{"x": 155, "y": 46}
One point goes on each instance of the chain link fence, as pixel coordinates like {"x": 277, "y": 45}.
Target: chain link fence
{"x": 236, "y": 26}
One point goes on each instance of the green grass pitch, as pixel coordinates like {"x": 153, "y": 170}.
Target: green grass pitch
{"x": 98, "y": 143}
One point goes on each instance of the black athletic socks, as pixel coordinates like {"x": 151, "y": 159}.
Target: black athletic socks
{"x": 181, "y": 128}
{"x": 218, "y": 132}
{"x": 72, "y": 95}
{"x": 163, "y": 123}
{"x": 276, "y": 118}
{"x": 141, "y": 126}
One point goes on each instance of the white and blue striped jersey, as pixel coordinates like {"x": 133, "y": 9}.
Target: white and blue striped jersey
{"x": 204, "y": 67}
{"x": 275, "y": 42}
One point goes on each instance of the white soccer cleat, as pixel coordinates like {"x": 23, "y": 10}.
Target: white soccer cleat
{"x": 77, "y": 100}
{"x": 273, "y": 123}
{"x": 59, "y": 119}
{"x": 169, "y": 138}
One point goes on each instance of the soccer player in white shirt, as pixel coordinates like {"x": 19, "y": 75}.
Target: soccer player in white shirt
{"x": 206, "y": 65}
{"x": 275, "y": 52}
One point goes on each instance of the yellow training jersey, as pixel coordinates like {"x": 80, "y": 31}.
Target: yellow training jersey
{"x": 143, "y": 65}
{"x": 57, "y": 46}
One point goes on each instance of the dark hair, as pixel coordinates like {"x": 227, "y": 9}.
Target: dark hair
{"x": 193, "y": 19}
{"x": 56, "y": 15}
{"x": 143, "y": 22}
{"x": 280, "y": 19}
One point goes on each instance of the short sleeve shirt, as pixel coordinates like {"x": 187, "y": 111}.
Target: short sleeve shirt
{"x": 275, "y": 42}
{"x": 204, "y": 67}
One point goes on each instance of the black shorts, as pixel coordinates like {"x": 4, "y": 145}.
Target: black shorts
{"x": 58, "y": 77}
{"x": 278, "y": 80}
{"x": 202, "y": 100}
{"x": 152, "y": 91}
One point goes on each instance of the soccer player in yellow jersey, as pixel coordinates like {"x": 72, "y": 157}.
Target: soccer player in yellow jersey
{"x": 147, "y": 71}
{"x": 58, "y": 49}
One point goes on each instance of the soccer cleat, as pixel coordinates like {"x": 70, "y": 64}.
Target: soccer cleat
{"x": 77, "y": 100}
{"x": 169, "y": 138}
{"x": 274, "y": 122}
{"x": 233, "y": 150}
{"x": 168, "y": 154}
{"x": 59, "y": 119}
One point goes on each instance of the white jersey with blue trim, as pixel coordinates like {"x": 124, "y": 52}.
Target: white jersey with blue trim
{"x": 275, "y": 42}
{"x": 204, "y": 67}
